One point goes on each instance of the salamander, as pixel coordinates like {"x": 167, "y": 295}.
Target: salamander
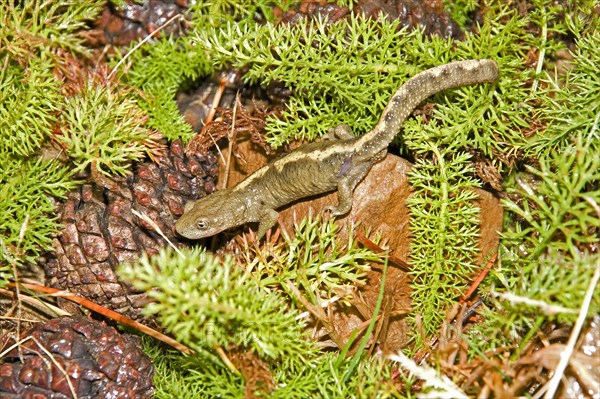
{"x": 339, "y": 162}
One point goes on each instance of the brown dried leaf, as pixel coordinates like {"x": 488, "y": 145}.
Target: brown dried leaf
{"x": 256, "y": 373}
{"x": 379, "y": 205}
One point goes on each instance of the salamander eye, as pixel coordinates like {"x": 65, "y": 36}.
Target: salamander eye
{"x": 202, "y": 224}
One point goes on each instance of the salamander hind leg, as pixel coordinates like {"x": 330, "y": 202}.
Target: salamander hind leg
{"x": 340, "y": 132}
{"x": 344, "y": 200}
{"x": 346, "y": 188}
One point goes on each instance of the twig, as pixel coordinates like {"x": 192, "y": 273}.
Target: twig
{"x": 211, "y": 115}
{"x": 16, "y": 274}
{"x": 226, "y": 360}
{"x": 430, "y": 376}
{"x": 156, "y": 228}
{"x": 568, "y": 351}
{"x": 36, "y": 303}
{"x": 479, "y": 279}
{"x": 140, "y": 44}
{"x": 323, "y": 304}
{"x": 540, "y": 61}
{"x": 359, "y": 353}
{"x": 376, "y": 248}
{"x": 230, "y": 144}
{"x": 108, "y": 313}
{"x": 421, "y": 355}
{"x": 544, "y": 306}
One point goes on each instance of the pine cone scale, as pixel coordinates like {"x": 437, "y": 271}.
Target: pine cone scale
{"x": 121, "y": 236}
{"x": 94, "y": 247}
{"x": 99, "y": 363}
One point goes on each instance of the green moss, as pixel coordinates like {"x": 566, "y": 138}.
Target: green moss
{"x": 32, "y": 35}
{"x": 552, "y": 219}
{"x": 27, "y": 223}
{"x": 103, "y": 127}
{"x": 343, "y": 72}
{"x": 314, "y": 260}
{"x": 41, "y": 27}
{"x": 28, "y": 104}
{"x": 206, "y": 302}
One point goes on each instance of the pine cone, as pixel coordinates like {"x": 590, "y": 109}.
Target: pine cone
{"x": 431, "y": 16}
{"x": 98, "y": 361}
{"x": 120, "y": 26}
{"x": 101, "y": 231}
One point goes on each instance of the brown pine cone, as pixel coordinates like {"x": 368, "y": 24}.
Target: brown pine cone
{"x": 431, "y": 16}
{"x": 100, "y": 229}
{"x": 97, "y": 360}
{"x": 120, "y": 26}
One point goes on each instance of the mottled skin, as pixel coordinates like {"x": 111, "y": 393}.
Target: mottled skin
{"x": 339, "y": 162}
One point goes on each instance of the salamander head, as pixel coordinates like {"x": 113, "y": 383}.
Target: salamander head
{"x": 211, "y": 215}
